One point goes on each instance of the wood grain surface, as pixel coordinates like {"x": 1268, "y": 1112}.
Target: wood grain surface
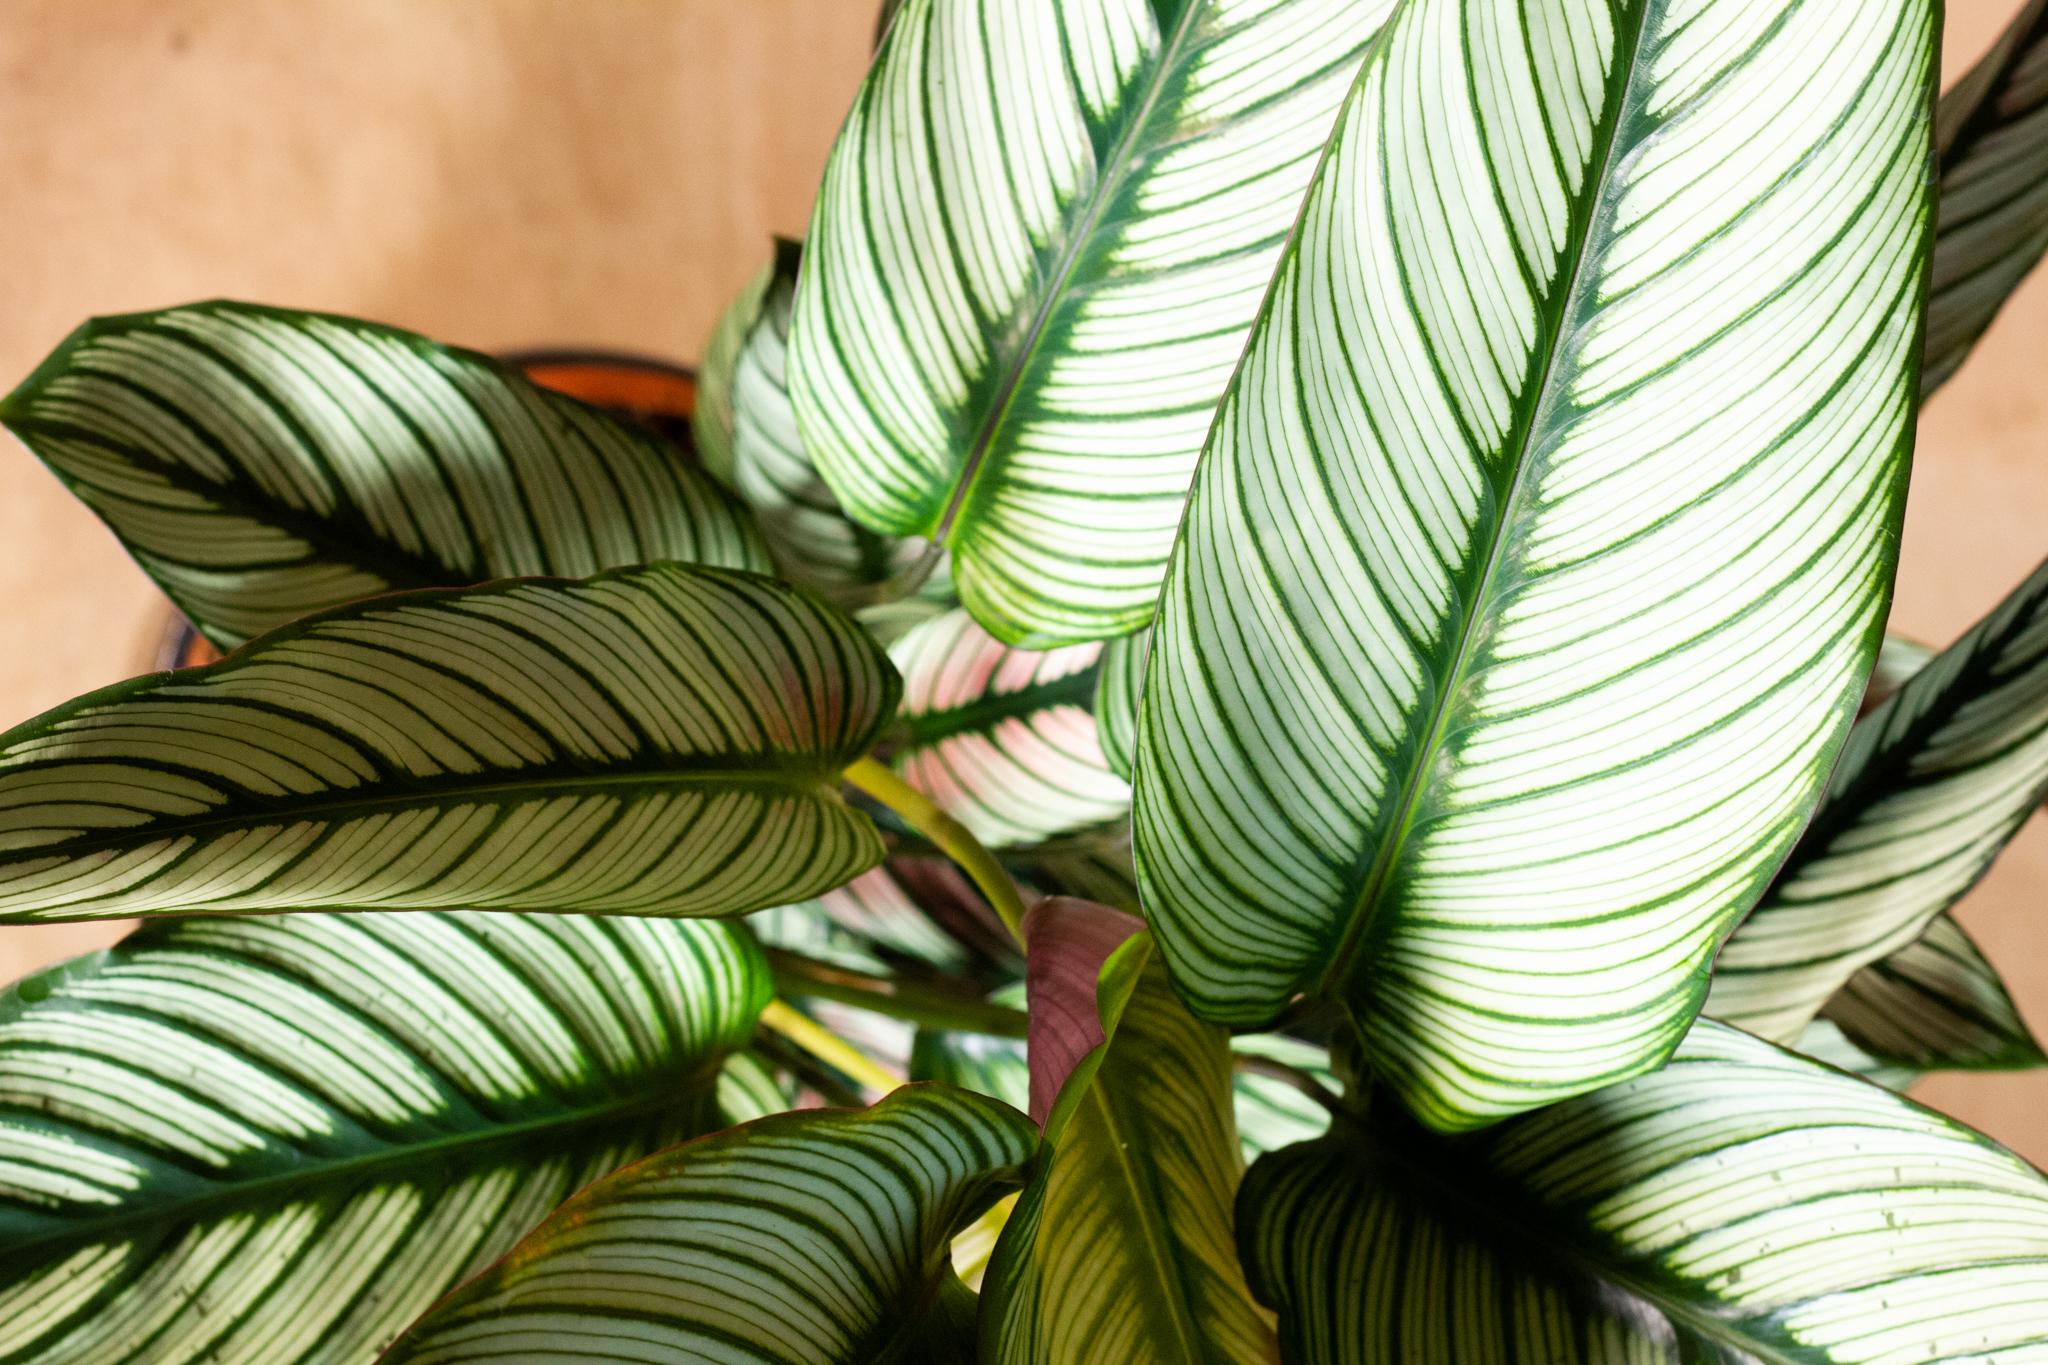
{"x": 507, "y": 173}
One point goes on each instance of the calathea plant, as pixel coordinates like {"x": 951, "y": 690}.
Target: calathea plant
{"x": 1271, "y": 605}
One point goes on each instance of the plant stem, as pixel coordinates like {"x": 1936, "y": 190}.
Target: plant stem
{"x": 1289, "y": 1075}
{"x": 899, "y": 999}
{"x": 918, "y": 811}
{"x": 828, "y": 1048}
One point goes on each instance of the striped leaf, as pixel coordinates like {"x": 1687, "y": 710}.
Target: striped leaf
{"x": 816, "y": 1238}
{"x": 256, "y": 1142}
{"x": 1742, "y": 1205}
{"x": 1119, "y": 1249}
{"x": 1003, "y": 739}
{"x": 1120, "y": 679}
{"x": 745, "y": 429}
{"x": 1824, "y": 1042}
{"x": 1935, "y": 1005}
{"x": 1992, "y": 130}
{"x": 1042, "y": 235}
{"x": 1933, "y": 784}
{"x": 1542, "y": 544}
{"x": 660, "y": 741}
{"x": 263, "y": 465}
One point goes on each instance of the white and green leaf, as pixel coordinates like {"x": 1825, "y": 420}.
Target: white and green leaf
{"x": 1043, "y": 233}
{"x": 1935, "y": 1005}
{"x": 1273, "y": 1112}
{"x": 745, "y": 429}
{"x": 818, "y": 1238}
{"x": 1742, "y": 1205}
{"x": 1120, "y": 1248}
{"x": 1120, "y": 681}
{"x": 1934, "y": 782}
{"x": 263, "y": 465}
{"x": 1542, "y": 545}
{"x": 659, "y": 741}
{"x": 1003, "y": 739}
{"x": 1992, "y": 133}
{"x": 265, "y": 1141}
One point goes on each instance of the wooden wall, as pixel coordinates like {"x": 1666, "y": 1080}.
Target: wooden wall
{"x": 607, "y": 172}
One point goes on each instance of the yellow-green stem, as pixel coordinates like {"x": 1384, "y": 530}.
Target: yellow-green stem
{"x": 947, "y": 834}
{"x": 806, "y": 1033}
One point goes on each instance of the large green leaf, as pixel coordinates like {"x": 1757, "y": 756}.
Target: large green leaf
{"x": 817, "y": 1238}
{"x": 1992, "y": 130}
{"x": 1120, "y": 1249}
{"x": 263, "y": 1141}
{"x": 745, "y": 428}
{"x": 1935, "y": 1005}
{"x": 1003, "y": 739}
{"x": 1541, "y": 547}
{"x": 651, "y": 741}
{"x": 1742, "y": 1205}
{"x": 1042, "y": 235}
{"x": 263, "y": 465}
{"x": 1933, "y": 784}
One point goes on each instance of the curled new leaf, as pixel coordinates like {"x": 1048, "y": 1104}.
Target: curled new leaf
{"x": 264, "y": 464}
{"x": 817, "y": 1238}
{"x": 280, "y": 1140}
{"x": 661, "y": 741}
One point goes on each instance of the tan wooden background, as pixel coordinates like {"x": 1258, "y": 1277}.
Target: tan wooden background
{"x": 607, "y": 172}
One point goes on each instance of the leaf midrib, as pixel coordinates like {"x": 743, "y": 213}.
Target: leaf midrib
{"x": 1364, "y": 924}
{"x": 983, "y": 713}
{"x": 1144, "y": 1200}
{"x": 246, "y": 812}
{"x": 678, "y": 1091}
{"x": 1060, "y": 279}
